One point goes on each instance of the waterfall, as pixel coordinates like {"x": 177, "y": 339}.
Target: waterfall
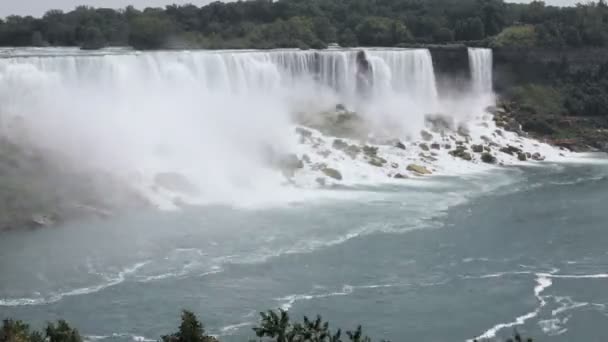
{"x": 210, "y": 115}
{"x": 480, "y": 63}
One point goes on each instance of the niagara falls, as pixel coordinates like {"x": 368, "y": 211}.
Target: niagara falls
{"x": 405, "y": 174}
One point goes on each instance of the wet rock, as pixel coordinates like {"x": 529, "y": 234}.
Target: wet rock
{"x": 447, "y": 146}
{"x": 477, "y": 148}
{"x": 306, "y": 159}
{"x": 321, "y": 181}
{"x": 399, "y": 176}
{"x": 394, "y": 165}
{"x": 436, "y": 146}
{"x": 340, "y": 107}
{"x": 463, "y": 131}
{"x": 332, "y": 173}
{"x": 370, "y": 151}
{"x": 510, "y": 150}
{"x": 460, "y": 152}
{"x": 538, "y": 157}
{"x": 522, "y": 156}
{"x": 488, "y": 158}
{"x": 303, "y": 132}
{"x": 424, "y": 147}
{"x": 399, "y": 145}
{"x": 377, "y": 161}
{"x": 42, "y": 220}
{"x": 426, "y": 136}
{"x": 352, "y": 151}
{"x": 339, "y": 144}
{"x": 419, "y": 169}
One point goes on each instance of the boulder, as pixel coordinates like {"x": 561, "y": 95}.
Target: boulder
{"x": 399, "y": 145}
{"x": 510, "y": 150}
{"x": 370, "y": 151}
{"x": 436, "y": 146}
{"x": 303, "y": 132}
{"x": 424, "y": 147}
{"x": 339, "y": 144}
{"x": 352, "y": 151}
{"x": 488, "y": 158}
{"x": 332, "y": 173}
{"x": 538, "y": 157}
{"x": 426, "y": 136}
{"x": 419, "y": 169}
{"x": 460, "y": 152}
{"x": 377, "y": 161}
{"x": 400, "y": 176}
{"x": 522, "y": 156}
{"x": 477, "y": 148}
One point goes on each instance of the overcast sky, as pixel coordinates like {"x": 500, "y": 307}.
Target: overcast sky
{"x": 38, "y": 7}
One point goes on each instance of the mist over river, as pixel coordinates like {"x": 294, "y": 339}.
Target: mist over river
{"x": 424, "y": 220}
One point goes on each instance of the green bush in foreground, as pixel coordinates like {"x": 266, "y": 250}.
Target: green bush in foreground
{"x": 274, "y": 326}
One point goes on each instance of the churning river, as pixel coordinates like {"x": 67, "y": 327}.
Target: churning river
{"x": 447, "y": 260}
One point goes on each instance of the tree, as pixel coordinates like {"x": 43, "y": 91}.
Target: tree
{"x": 62, "y": 332}
{"x": 93, "y": 39}
{"x": 381, "y": 31}
{"x": 190, "y": 330}
{"x": 149, "y": 31}
{"x": 470, "y": 29}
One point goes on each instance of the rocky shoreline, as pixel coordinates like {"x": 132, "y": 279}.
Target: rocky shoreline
{"x": 37, "y": 191}
{"x": 574, "y": 133}
{"x": 335, "y": 147}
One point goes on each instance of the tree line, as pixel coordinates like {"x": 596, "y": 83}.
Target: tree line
{"x": 274, "y": 326}
{"x": 314, "y": 24}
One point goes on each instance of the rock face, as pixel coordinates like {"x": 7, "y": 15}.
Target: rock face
{"x": 419, "y": 169}
{"x": 332, "y": 173}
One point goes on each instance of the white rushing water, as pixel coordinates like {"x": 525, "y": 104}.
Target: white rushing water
{"x": 211, "y": 116}
{"x": 480, "y": 62}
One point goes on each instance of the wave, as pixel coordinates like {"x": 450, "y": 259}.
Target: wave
{"x": 55, "y": 297}
{"x": 542, "y": 283}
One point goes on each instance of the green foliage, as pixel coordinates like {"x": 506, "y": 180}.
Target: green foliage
{"x": 523, "y": 36}
{"x": 17, "y": 331}
{"x": 380, "y": 31}
{"x": 190, "y": 330}
{"x": 62, "y": 332}
{"x": 151, "y": 31}
{"x": 470, "y": 29}
{"x": 277, "y": 327}
{"x": 273, "y": 326}
{"x": 312, "y": 23}
{"x": 539, "y": 99}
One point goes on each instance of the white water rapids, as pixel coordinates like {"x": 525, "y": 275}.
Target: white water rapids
{"x": 213, "y": 115}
